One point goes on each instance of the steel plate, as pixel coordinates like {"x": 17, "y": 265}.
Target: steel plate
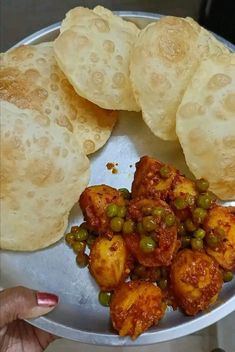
{"x": 79, "y": 315}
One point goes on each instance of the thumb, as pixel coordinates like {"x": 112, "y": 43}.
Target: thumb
{"x": 23, "y": 303}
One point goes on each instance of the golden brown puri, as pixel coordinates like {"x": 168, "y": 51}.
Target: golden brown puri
{"x": 93, "y": 50}
{"x": 30, "y": 78}
{"x": 109, "y": 262}
{"x": 43, "y": 172}
{"x": 165, "y": 236}
{"x": 220, "y": 223}
{"x": 206, "y": 124}
{"x": 135, "y": 307}
{"x": 196, "y": 280}
{"x": 163, "y": 61}
{"x": 94, "y": 201}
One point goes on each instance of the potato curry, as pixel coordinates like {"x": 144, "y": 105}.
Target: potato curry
{"x": 168, "y": 242}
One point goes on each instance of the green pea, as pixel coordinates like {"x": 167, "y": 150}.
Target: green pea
{"x": 81, "y": 234}
{"x": 149, "y": 223}
{"x": 90, "y": 241}
{"x": 74, "y": 229}
{"x": 165, "y": 171}
{"x": 121, "y": 212}
{"x": 83, "y": 225}
{"x": 111, "y": 210}
{"x": 169, "y": 220}
{"x": 199, "y": 215}
{"x": 125, "y": 193}
{"x": 140, "y": 228}
{"x": 199, "y": 233}
{"x": 189, "y": 225}
{"x": 204, "y": 201}
{"x": 202, "y": 185}
{"x": 105, "y": 298}
{"x": 212, "y": 240}
{"x": 128, "y": 226}
{"x": 116, "y": 224}
{"x": 196, "y": 243}
{"x": 79, "y": 247}
{"x": 181, "y": 230}
{"x": 185, "y": 241}
{"x": 147, "y": 210}
{"x": 69, "y": 238}
{"x": 158, "y": 211}
{"x": 227, "y": 276}
{"x": 212, "y": 196}
{"x": 180, "y": 203}
{"x": 82, "y": 259}
{"x": 147, "y": 244}
{"x": 162, "y": 283}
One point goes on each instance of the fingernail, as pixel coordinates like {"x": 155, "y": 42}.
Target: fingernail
{"x": 45, "y": 299}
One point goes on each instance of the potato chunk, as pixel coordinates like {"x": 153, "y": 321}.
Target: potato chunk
{"x": 185, "y": 189}
{"x": 183, "y": 186}
{"x": 196, "y": 280}
{"x": 109, "y": 262}
{"x": 164, "y": 236}
{"x": 148, "y": 181}
{"x": 135, "y": 306}
{"x": 156, "y": 180}
{"x": 220, "y": 222}
{"x": 94, "y": 201}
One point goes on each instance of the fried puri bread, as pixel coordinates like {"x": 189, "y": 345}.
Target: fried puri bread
{"x": 206, "y": 124}
{"x": 43, "y": 172}
{"x": 93, "y": 50}
{"x": 163, "y": 62}
{"x": 196, "y": 280}
{"x": 31, "y": 79}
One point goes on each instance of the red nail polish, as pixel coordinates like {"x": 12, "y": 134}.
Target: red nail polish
{"x": 47, "y": 299}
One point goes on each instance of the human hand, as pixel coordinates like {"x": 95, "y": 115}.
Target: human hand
{"x": 20, "y": 303}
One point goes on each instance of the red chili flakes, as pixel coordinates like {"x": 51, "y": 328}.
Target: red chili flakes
{"x": 114, "y": 170}
{"x": 112, "y": 167}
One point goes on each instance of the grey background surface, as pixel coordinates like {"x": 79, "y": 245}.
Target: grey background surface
{"x": 20, "y": 18}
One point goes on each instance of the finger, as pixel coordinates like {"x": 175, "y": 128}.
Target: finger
{"x": 23, "y": 303}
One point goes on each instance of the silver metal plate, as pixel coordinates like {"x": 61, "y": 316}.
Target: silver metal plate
{"x": 79, "y": 316}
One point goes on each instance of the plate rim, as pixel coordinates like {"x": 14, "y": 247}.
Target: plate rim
{"x": 148, "y": 337}
{"x": 131, "y": 14}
